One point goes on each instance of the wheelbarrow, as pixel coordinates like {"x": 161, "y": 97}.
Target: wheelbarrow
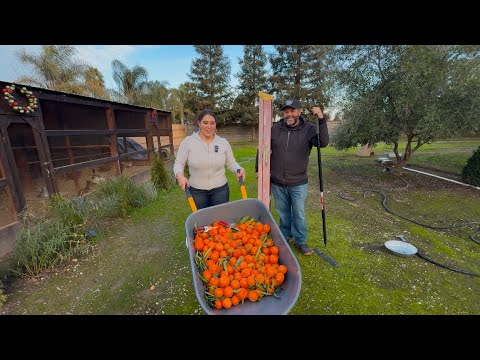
{"x": 231, "y": 212}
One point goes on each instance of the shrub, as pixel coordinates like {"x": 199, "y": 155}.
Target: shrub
{"x": 66, "y": 229}
{"x": 85, "y": 212}
{"x": 160, "y": 177}
{"x": 68, "y": 211}
{"x": 471, "y": 171}
{"x": 3, "y": 298}
{"x": 44, "y": 245}
{"x": 125, "y": 192}
{"x": 150, "y": 190}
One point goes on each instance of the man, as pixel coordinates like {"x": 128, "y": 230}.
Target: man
{"x": 291, "y": 143}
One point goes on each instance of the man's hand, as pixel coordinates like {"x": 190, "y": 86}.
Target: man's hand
{"x": 317, "y": 111}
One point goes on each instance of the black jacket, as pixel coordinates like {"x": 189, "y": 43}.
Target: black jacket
{"x": 291, "y": 149}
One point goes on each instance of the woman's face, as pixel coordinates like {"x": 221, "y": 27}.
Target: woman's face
{"x": 207, "y": 126}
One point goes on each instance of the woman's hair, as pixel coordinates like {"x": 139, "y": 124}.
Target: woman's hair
{"x": 202, "y": 114}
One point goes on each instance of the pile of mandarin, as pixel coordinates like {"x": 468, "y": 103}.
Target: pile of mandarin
{"x": 237, "y": 262}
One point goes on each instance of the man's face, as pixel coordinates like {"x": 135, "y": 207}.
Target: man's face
{"x": 291, "y": 116}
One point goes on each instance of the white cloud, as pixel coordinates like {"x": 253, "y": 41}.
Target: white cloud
{"x": 10, "y": 66}
{"x": 101, "y": 57}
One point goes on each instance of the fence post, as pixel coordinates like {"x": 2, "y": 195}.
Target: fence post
{"x": 264, "y": 146}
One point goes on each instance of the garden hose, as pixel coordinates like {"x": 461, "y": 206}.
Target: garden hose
{"x": 384, "y": 200}
{"x": 384, "y": 204}
{"x": 446, "y": 266}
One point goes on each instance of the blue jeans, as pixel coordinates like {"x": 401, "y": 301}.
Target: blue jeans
{"x": 206, "y": 198}
{"x": 290, "y": 206}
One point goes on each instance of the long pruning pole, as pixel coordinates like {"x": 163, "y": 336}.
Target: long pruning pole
{"x": 320, "y": 177}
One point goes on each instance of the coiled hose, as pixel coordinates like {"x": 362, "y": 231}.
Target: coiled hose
{"x": 384, "y": 204}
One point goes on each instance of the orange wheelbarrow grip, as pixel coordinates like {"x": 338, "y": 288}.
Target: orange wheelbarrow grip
{"x": 190, "y": 199}
{"x": 242, "y": 186}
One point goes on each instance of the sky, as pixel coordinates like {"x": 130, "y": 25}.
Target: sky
{"x": 169, "y": 63}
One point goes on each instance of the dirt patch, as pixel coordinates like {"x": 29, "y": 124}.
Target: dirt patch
{"x": 115, "y": 277}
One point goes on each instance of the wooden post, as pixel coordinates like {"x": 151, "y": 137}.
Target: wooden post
{"x": 264, "y": 147}
{"x": 34, "y": 123}
{"x": 170, "y": 134}
{"x": 11, "y": 163}
{"x": 148, "y": 116}
{"x": 113, "y": 138}
{"x": 10, "y": 188}
{"x": 46, "y": 148}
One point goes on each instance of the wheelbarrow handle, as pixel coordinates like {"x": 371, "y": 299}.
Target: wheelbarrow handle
{"x": 242, "y": 186}
{"x": 190, "y": 199}
{"x": 240, "y": 179}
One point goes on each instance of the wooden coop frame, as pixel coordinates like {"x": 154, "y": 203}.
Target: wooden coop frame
{"x": 67, "y": 135}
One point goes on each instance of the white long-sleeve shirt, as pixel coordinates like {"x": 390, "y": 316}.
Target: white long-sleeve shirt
{"x": 206, "y": 162}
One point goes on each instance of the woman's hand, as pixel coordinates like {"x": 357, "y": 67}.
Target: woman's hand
{"x": 241, "y": 173}
{"x": 182, "y": 181}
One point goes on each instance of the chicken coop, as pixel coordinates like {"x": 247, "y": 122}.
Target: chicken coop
{"x": 55, "y": 142}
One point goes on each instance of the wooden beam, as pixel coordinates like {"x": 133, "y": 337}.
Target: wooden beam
{"x": 79, "y": 147}
{"x": 113, "y": 139}
{"x": 66, "y": 98}
{"x": 126, "y": 155}
{"x": 78, "y": 132}
{"x": 7, "y": 183}
{"x": 42, "y": 150}
{"x": 43, "y": 135}
{"x": 168, "y": 120}
{"x": 159, "y": 141}
{"x": 67, "y": 168}
{"x": 149, "y": 137}
{"x": 9, "y": 160}
{"x": 132, "y": 132}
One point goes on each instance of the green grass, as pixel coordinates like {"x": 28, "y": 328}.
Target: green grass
{"x": 148, "y": 248}
{"x": 447, "y": 156}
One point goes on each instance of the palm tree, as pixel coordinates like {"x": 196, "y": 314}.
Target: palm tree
{"x": 155, "y": 94}
{"x": 130, "y": 82}
{"x": 178, "y": 104}
{"x": 94, "y": 83}
{"x": 55, "y": 68}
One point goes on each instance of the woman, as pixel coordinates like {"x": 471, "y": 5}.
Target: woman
{"x": 206, "y": 154}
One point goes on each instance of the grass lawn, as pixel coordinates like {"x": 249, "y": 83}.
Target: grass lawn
{"x": 445, "y": 156}
{"x": 141, "y": 265}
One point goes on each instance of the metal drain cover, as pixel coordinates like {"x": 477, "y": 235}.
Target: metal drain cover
{"x": 400, "y": 248}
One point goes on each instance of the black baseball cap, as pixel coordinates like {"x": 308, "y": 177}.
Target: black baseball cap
{"x": 293, "y": 103}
